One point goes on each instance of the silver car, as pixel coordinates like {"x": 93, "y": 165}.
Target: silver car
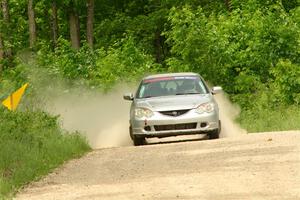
{"x": 171, "y": 105}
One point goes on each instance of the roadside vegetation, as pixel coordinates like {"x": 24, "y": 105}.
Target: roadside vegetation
{"x": 251, "y": 48}
{"x": 266, "y": 119}
{"x": 32, "y": 144}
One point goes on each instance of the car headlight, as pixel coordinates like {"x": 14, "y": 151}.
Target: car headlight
{"x": 205, "y": 107}
{"x": 143, "y": 113}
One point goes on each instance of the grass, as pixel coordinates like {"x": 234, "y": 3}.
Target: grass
{"x": 271, "y": 119}
{"x": 32, "y": 144}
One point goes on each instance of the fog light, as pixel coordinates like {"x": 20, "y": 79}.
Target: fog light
{"x": 147, "y": 128}
{"x": 203, "y": 124}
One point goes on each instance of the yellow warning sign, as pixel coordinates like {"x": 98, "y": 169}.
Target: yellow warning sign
{"x": 14, "y": 99}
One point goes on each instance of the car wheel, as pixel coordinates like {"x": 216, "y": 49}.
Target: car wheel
{"x": 137, "y": 141}
{"x": 130, "y": 132}
{"x": 215, "y": 134}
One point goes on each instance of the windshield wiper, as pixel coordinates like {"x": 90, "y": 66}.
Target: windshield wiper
{"x": 188, "y": 93}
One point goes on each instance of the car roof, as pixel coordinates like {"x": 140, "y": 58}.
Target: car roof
{"x": 170, "y": 75}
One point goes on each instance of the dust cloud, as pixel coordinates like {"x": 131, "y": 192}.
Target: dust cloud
{"x": 228, "y": 113}
{"x": 103, "y": 119}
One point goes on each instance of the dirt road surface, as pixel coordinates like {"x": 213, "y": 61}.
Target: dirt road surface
{"x": 253, "y": 166}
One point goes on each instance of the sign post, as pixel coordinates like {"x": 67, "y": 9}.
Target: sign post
{"x": 14, "y": 99}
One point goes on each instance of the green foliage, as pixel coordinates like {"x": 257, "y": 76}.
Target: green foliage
{"x": 238, "y": 51}
{"x": 32, "y": 144}
{"x": 16, "y": 34}
{"x": 66, "y": 61}
{"x": 141, "y": 27}
{"x": 262, "y": 119}
{"x": 100, "y": 68}
{"x": 187, "y": 37}
{"x": 11, "y": 80}
{"x": 287, "y": 81}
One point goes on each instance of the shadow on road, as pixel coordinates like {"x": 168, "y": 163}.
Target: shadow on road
{"x": 176, "y": 139}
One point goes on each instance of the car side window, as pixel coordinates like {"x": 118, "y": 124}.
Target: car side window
{"x": 142, "y": 91}
{"x": 202, "y": 88}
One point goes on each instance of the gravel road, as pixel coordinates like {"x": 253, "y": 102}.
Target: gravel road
{"x": 253, "y": 166}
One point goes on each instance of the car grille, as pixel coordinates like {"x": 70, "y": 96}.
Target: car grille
{"x": 174, "y": 113}
{"x": 175, "y": 127}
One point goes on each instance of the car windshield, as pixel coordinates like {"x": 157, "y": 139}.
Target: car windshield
{"x": 167, "y": 86}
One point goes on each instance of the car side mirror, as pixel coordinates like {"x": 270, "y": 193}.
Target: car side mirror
{"x": 128, "y": 96}
{"x": 216, "y": 90}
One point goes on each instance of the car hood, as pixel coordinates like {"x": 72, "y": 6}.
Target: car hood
{"x": 183, "y": 102}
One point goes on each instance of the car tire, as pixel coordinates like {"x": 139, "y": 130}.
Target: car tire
{"x": 215, "y": 134}
{"x": 138, "y": 141}
{"x": 130, "y": 133}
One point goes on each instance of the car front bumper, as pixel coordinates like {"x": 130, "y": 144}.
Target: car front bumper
{"x": 160, "y": 125}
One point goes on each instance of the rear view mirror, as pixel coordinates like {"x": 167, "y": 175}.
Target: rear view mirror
{"x": 216, "y": 90}
{"x": 128, "y": 96}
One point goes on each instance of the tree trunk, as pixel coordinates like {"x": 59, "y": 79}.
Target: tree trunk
{"x": 158, "y": 47}
{"x": 74, "y": 27}
{"x": 90, "y": 22}
{"x": 1, "y": 53}
{"x": 32, "y": 25}
{"x": 54, "y": 23}
{"x": 228, "y": 5}
{"x": 6, "y": 20}
{"x": 5, "y": 11}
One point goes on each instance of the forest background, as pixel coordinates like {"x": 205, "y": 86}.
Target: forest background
{"x": 251, "y": 48}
